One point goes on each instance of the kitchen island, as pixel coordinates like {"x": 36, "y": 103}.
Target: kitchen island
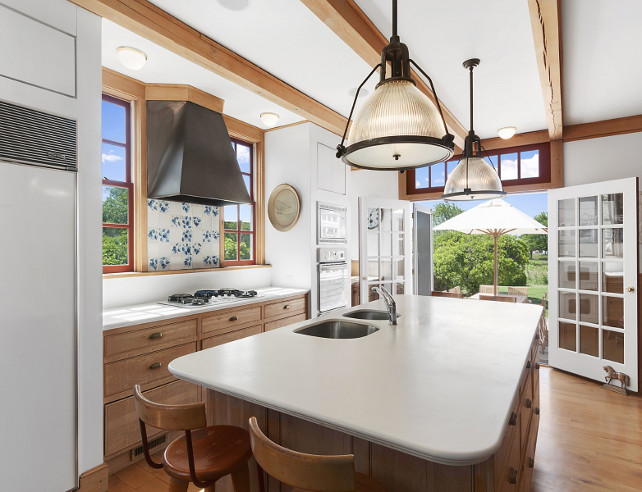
{"x": 445, "y": 400}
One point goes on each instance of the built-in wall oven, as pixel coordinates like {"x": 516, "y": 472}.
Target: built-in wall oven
{"x": 333, "y": 279}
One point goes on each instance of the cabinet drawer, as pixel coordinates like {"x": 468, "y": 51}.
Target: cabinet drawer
{"x": 284, "y": 308}
{"x": 229, "y": 337}
{"x": 230, "y": 320}
{"x": 526, "y": 410}
{"x": 124, "y": 374}
{"x": 121, "y": 422}
{"x": 150, "y": 339}
{"x": 509, "y": 477}
{"x": 279, "y": 323}
{"x": 511, "y": 435}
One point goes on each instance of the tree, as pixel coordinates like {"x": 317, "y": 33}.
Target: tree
{"x": 537, "y": 242}
{"x": 115, "y": 211}
{"x": 444, "y": 212}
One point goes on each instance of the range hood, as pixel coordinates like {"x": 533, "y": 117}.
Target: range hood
{"x": 190, "y": 156}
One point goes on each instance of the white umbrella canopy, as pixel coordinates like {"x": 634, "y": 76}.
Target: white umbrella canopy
{"x": 495, "y": 218}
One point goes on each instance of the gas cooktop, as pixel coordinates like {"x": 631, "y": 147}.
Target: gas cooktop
{"x": 209, "y": 297}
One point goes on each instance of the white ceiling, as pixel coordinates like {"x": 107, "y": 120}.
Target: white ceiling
{"x": 601, "y": 40}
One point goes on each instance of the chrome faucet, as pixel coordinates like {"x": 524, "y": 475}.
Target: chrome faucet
{"x": 391, "y": 305}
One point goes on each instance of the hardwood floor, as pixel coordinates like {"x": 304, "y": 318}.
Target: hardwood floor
{"x": 589, "y": 440}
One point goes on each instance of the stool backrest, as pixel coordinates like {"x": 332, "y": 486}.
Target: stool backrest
{"x": 518, "y": 291}
{"x": 316, "y": 473}
{"x": 484, "y": 297}
{"x": 439, "y": 293}
{"x": 169, "y": 417}
{"x": 486, "y": 289}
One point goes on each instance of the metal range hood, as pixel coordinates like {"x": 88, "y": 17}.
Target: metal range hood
{"x": 190, "y": 156}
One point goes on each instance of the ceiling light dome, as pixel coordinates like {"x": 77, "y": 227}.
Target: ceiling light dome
{"x": 398, "y": 127}
{"x": 131, "y": 58}
{"x": 473, "y": 178}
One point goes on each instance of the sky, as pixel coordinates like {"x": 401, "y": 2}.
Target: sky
{"x": 529, "y": 203}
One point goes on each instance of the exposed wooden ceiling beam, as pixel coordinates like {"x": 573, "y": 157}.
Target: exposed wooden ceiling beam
{"x": 349, "y": 22}
{"x": 605, "y": 128}
{"x": 547, "y": 34}
{"x": 147, "y": 20}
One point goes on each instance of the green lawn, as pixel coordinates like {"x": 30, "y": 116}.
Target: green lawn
{"x": 536, "y": 279}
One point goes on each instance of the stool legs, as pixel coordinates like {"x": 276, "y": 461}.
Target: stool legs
{"x": 177, "y": 485}
{"x": 211, "y": 488}
{"x": 241, "y": 479}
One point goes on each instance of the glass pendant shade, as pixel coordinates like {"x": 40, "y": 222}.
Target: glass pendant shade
{"x": 473, "y": 179}
{"x": 397, "y": 127}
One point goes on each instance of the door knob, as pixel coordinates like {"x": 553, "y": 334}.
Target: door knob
{"x": 630, "y": 289}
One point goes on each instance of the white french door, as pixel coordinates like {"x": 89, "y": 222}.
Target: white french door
{"x": 593, "y": 272}
{"x": 385, "y": 237}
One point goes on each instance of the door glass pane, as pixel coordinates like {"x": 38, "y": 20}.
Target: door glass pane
{"x": 588, "y": 210}
{"x": 373, "y": 269}
{"x": 115, "y": 205}
{"x": 397, "y": 245}
{"x": 386, "y": 244}
{"x": 567, "y": 336}
{"x": 386, "y": 219}
{"x": 589, "y": 275}
{"x": 566, "y": 243}
{"x": 588, "y": 243}
{"x": 373, "y": 243}
{"x": 612, "y": 242}
{"x": 566, "y": 212}
{"x": 588, "y": 308}
{"x": 567, "y": 274}
{"x": 399, "y": 264}
{"x": 399, "y": 288}
{"x": 115, "y": 246}
{"x": 589, "y": 340}
{"x": 567, "y": 305}
{"x": 612, "y": 209}
{"x": 397, "y": 220}
{"x": 613, "y": 311}
{"x": 613, "y": 277}
{"x": 373, "y": 219}
{"x": 613, "y": 346}
{"x": 508, "y": 166}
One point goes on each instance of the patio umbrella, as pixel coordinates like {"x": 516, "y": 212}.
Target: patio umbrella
{"x": 495, "y": 218}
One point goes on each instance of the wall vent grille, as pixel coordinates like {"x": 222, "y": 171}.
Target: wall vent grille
{"x": 152, "y": 444}
{"x": 32, "y": 137}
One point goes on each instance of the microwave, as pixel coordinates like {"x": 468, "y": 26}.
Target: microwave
{"x": 331, "y": 223}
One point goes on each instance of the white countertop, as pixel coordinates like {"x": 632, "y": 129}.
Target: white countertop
{"x": 439, "y": 385}
{"x": 153, "y": 311}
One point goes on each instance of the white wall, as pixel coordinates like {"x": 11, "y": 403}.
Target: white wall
{"x": 122, "y": 291}
{"x": 602, "y": 159}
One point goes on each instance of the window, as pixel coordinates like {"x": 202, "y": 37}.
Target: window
{"x": 118, "y": 224}
{"x": 239, "y": 220}
{"x": 525, "y": 165}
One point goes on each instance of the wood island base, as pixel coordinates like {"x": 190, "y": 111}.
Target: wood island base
{"x": 509, "y": 469}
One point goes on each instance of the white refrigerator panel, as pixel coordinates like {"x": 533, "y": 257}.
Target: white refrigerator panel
{"x": 38, "y": 327}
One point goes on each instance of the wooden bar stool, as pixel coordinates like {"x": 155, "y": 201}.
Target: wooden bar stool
{"x": 203, "y": 454}
{"x": 307, "y": 472}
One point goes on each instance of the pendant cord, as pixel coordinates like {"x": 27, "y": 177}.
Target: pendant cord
{"x": 394, "y": 18}
{"x": 471, "y": 100}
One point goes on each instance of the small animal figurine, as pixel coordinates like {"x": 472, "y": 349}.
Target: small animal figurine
{"x": 612, "y": 374}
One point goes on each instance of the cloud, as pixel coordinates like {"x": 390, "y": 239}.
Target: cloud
{"x": 530, "y": 167}
{"x": 111, "y": 158}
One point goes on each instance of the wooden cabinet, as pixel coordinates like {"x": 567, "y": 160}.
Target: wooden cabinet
{"x": 140, "y": 354}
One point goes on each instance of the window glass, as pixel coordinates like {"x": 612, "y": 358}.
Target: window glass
{"x": 422, "y": 177}
{"x": 529, "y": 164}
{"x": 114, "y": 162}
{"x": 438, "y": 174}
{"x": 508, "y": 166}
{"x": 114, "y": 118}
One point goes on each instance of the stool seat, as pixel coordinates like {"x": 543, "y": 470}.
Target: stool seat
{"x": 218, "y": 451}
{"x": 363, "y": 483}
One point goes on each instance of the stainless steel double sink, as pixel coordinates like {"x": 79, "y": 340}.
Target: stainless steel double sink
{"x": 345, "y": 329}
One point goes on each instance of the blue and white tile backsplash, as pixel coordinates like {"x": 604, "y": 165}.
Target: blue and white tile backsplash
{"x": 182, "y": 236}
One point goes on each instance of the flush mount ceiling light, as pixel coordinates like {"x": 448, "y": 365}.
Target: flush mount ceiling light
{"x": 397, "y": 127}
{"x": 506, "y": 132}
{"x": 234, "y": 4}
{"x": 269, "y": 119}
{"x": 131, "y": 58}
{"x": 473, "y": 178}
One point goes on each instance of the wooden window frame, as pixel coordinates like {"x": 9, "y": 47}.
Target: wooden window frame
{"x": 238, "y": 231}
{"x": 127, "y": 184}
{"x": 409, "y": 191}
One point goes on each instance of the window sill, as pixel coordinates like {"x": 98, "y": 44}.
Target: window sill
{"x": 107, "y": 276}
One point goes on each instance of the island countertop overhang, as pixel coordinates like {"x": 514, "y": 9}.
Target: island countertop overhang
{"x": 438, "y": 386}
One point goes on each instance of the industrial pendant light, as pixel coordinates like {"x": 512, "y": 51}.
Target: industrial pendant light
{"x": 397, "y": 127}
{"x": 473, "y": 178}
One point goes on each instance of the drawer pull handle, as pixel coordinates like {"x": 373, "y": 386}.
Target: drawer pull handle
{"x": 512, "y": 476}
{"x": 156, "y": 336}
{"x": 287, "y": 306}
{"x": 536, "y": 410}
{"x": 513, "y": 419}
{"x": 531, "y": 462}
{"x": 528, "y": 364}
{"x": 537, "y": 365}
{"x": 234, "y": 318}
{"x": 156, "y": 365}
{"x": 529, "y": 403}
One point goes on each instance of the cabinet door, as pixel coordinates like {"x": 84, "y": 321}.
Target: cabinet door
{"x": 229, "y": 337}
